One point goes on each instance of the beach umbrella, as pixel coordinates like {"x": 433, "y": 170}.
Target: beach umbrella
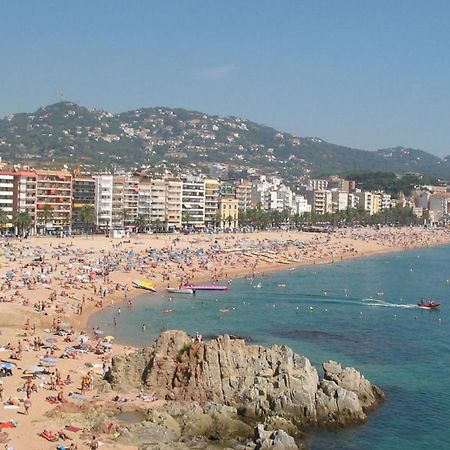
{"x": 8, "y": 365}
{"x": 98, "y": 331}
{"x": 50, "y": 360}
{"x": 64, "y": 325}
{"x": 35, "y": 369}
{"x": 109, "y": 338}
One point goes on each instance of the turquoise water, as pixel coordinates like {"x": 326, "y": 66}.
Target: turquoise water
{"x": 363, "y": 315}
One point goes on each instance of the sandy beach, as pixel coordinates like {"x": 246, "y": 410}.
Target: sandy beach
{"x": 51, "y": 286}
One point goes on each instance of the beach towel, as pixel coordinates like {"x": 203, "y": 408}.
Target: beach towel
{"x": 51, "y": 437}
{"x": 9, "y": 424}
{"x": 72, "y": 428}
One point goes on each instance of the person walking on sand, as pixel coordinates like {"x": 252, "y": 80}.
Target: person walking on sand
{"x": 27, "y": 406}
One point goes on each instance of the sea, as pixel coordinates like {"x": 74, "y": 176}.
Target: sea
{"x": 362, "y": 313}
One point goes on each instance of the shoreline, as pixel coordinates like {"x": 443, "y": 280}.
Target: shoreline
{"x": 243, "y": 273}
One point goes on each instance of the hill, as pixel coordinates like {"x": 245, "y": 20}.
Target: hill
{"x": 68, "y": 133}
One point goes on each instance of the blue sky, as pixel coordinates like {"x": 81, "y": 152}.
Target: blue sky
{"x": 367, "y": 74}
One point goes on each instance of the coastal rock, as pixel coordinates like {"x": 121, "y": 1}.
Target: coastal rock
{"x": 258, "y": 382}
{"x": 275, "y": 440}
{"x": 352, "y": 380}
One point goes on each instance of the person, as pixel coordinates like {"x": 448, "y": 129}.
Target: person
{"x": 93, "y": 445}
{"x": 1, "y": 391}
{"x": 27, "y": 405}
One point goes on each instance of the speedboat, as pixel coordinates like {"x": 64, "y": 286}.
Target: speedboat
{"x": 430, "y": 304}
{"x": 180, "y": 291}
{"x": 147, "y": 285}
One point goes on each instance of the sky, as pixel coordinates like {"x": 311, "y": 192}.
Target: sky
{"x": 362, "y": 73}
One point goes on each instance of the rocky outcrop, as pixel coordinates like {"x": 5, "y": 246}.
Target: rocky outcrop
{"x": 259, "y": 382}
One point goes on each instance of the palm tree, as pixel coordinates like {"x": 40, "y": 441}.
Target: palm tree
{"x": 141, "y": 222}
{"x": 186, "y": 218}
{"x": 125, "y": 215}
{"x": 157, "y": 224}
{"x": 4, "y": 220}
{"x": 22, "y": 221}
{"x": 87, "y": 216}
{"x": 46, "y": 214}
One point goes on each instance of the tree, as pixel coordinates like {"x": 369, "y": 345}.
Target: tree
{"x": 186, "y": 218}
{"x": 141, "y": 222}
{"x": 46, "y": 214}
{"x": 4, "y": 220}
{"x": 22, "y": 221}
{"x": 157, "y": 224}
{"x": 87, "y": 216}
{"x": 125, "y": 215}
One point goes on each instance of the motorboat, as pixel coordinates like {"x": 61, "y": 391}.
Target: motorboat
{"x": 430, "y": 304}
{"x": 182, "y": 290}
{"x": 147, "y": 285}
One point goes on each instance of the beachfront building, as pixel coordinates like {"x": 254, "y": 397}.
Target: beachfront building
{"x": 131, "y": 200}
{"x": 193, "y": 201}
{"x": 212, "y": 187}
{"x": 83, "y": 194}
{"x": 340, "y": 200}
{"x": 174, "y": 201}
{"x": 280, "y": 198}
{"x": 320, "y": 201}
{"x": 440, "y": 206}
{"x": 103, "y": 201}
{"x": 24, "y": 198}
{"x": 244, "y": 194}
{"x": 145, "y": 202}
{"x": 158, "y": 203}
{"x": 53, "y": 200}
{"x": 300, "y": 205}
{"x": 228, "y": 212}
{"x": 7, "y": 197}
{"x": 367, "y": 201}
{"x": 120, "y": 216}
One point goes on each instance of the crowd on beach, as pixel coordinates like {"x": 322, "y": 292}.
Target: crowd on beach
{"x": 49, "y": 287}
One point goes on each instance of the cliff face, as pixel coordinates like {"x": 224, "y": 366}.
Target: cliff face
{"x": 260, "y": 382}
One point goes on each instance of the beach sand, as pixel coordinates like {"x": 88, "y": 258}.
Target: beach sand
{"x": 46, "y": 295}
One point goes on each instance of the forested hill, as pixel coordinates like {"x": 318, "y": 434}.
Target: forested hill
{"x": 68, "y": 133}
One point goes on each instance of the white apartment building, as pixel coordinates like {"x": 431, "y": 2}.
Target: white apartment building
{"x": 118, "y": 202}
{"x": 7, "y": 196}
{"x": 385, "y": 200}
{"x": 321, "y": 201}
{"x": 193, "y": 201}
{"x": 103, "y": 200}
{"x": 25, "y": 193}
{"x": 158, "y": 201}
{"x": 318, "y": 184}
{"x": 366, "y": 201}
{"x": 280, "y": 199}
{"x": 300, "y": 205}
{"x": 145, "y": 201}
{"x": 439, "y": 205}
{"x": 340, "y": 201}
{"x": 131, "y": 199}
{"x": 244, "y": 194}
{"x": 174, "y": 200}
{"x": 353, "y": 201}
{"x": 212, "y": 188}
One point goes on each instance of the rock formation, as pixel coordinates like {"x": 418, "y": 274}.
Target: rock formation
{"x": 261, "y": 383}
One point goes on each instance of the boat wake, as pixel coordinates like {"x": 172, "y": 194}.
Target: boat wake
{"x": 382, "y": 303}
